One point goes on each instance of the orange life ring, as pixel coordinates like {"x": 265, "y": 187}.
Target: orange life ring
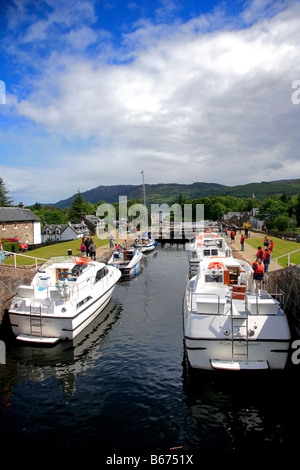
{"x": 216, "y": 265}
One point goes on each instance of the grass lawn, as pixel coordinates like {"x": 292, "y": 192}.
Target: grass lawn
{"x": 281, "y": 247}
{"x": 58, "y": 249}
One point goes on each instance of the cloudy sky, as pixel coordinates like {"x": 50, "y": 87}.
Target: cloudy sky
{"x": 186, "y": 90}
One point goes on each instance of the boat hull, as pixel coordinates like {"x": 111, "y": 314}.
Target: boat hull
{"x": 129, "y": 271}
{"x": 57, "y": 325}
{"x": 210, "y": 344}
{"x": 145, "y": 249}
{"x": 216, "y": 354}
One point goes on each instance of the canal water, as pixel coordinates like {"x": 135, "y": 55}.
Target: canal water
{"x": 123, "y": 389}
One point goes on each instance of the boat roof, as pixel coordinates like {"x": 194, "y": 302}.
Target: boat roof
{"x": 67, "y": 259}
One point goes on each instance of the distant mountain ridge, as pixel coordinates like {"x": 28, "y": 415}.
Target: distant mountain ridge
{"x": 169, "y": 192}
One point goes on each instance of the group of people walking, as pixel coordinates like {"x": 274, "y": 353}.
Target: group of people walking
{"x": 263, "y": 258}
{"x": 263, "y": 255}
{"x": 88, "y": 248}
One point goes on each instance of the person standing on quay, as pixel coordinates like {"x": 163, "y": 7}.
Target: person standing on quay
{"x": 92, "y": 250}
{"x": 243, "y": 242}
{"x": 232, "y": 234}
{"x": 260, "y": 253}
{"x": 266, "y": 259}
{"x": 83, "y": 249}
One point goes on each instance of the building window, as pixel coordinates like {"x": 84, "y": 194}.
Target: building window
{"x": 16, "y": 225}
{"x": 3, "y": 226}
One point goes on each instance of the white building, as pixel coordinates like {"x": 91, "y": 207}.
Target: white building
{"x": 64, "y": 232}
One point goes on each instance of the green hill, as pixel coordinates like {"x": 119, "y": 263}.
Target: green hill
{"x": 168, "y": 193}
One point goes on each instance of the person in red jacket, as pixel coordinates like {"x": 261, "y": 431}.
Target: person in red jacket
{"x": 259, "y": 254}
{"x": 243, "y": 242}
{"x": 258, "y": 269}
{"x": 232, "y": 235}
{"x": 266, "y": 259}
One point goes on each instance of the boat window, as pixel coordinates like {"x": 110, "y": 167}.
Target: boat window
{"x": 206, "y": 252}
{"x": 101, "y": 273}
{"x": 214, "y": 252}
{"x": 83, "y": 301}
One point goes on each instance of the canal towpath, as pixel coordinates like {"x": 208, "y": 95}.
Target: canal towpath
{"x": 249, "y": 253}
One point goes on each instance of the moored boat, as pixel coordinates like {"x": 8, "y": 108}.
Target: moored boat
{"x": 145, "y": 244}
{"x": 126, "y": 259}
{"x": 65, "y": 295}
{"x": 229, "y": 322}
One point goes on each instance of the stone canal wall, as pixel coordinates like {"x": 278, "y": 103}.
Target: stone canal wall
{"x": 10, "y": 278}
{"x": 288, "y": 279}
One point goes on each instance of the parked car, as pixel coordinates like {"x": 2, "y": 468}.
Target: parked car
{"x": 22, "y": 246}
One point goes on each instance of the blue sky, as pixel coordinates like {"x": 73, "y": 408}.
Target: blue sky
{"x": 186, "y": 90}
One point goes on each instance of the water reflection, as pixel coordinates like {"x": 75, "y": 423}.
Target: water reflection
{"x": 241, "y": 410}
{"x": 67, "y": 358}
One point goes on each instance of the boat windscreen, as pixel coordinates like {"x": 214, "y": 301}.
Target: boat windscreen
{"x": 209, "y": 278}
{"x": 78, "y": 268}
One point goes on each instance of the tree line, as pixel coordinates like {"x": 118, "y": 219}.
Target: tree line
{"x": 279, "y": 212}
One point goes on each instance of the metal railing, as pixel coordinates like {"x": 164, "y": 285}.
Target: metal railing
{"x": 10, "y": 253}
{"x": 288, "y": 255}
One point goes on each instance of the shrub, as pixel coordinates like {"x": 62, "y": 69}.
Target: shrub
{"x": 281, "y": 223}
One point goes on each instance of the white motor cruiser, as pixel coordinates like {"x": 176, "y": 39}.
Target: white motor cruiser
{"x": 65, "y": 295}
{"x": 229, "y": 322}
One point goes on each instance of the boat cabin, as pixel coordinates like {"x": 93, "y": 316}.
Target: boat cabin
{"x": 223, "y": 272}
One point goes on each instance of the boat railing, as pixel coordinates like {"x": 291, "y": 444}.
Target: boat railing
{"x": 62, "y": 290}
{"x": 254, "y": 304}
{"x": 273, "y": 289}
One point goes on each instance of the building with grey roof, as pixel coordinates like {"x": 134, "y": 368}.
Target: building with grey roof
{"x": 18, "y": 222}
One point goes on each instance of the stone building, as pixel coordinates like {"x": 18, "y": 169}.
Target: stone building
{"x": 17, "y": 222}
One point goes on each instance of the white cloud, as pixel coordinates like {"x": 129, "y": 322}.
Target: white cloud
{"x": 189, "y": 105}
